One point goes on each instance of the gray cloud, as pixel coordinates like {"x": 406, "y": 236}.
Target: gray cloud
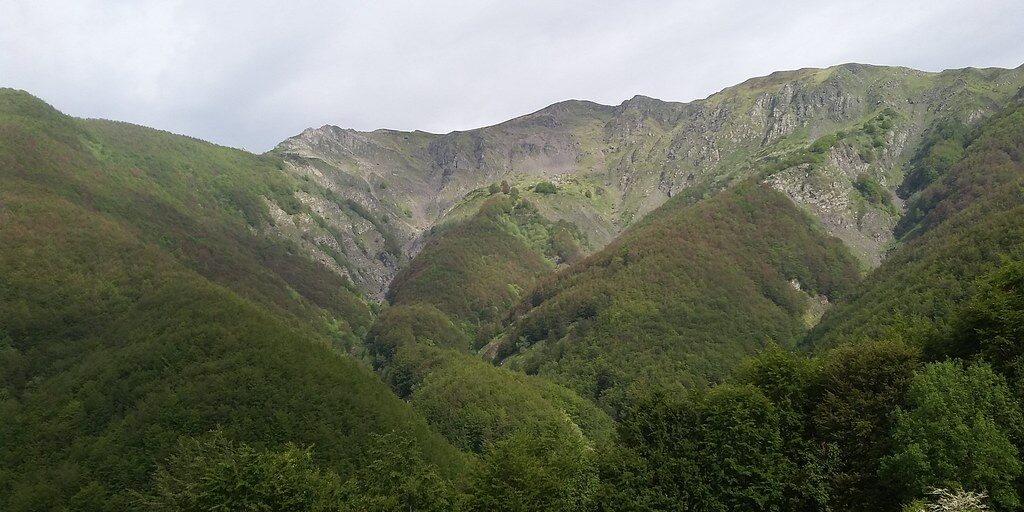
{"x": 248, "y": 74}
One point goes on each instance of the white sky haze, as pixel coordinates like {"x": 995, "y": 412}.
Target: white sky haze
{"x": 249, "y": 74}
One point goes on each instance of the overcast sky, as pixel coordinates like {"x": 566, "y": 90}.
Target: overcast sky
{"x": 248, "y": 74}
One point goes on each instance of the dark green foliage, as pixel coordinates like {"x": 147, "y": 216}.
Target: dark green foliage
{"x": 859, "y": 386}
{"x": 424, "y": 355}
{"x": 991, "y": 163}
{"x": 112, "y": 369}
{"x": 992, "y": 324}
{"x": 965, "y": 224}
{"x": 941, "y": 146}
{"x": 143, "y": 303}
{"x": 536, "y": 469}
{"x": 197, "y": 201}
{"x": 421, "y": 354}
{"x": 218, "y": 474}
{"x": 741, "y": 448}
{"x": 396, "y": 476}
{"x": 876, "y": 127}
{"x": 793, "y": 384}
{"x": 928, "y": 292}
{"x": 721, "y": 451}
{"x": 545, "y": 187}
{"x": 957, "y": 432}
{"x": 824, "y": 143}
{"x": 214, "y": 473}
{"x": 473, "y": 270}
{"x": 565, "y": 243}
{"x": 473, "y": 404}
{"x": 872, "y": 191}
{"x": 125, "y": 328}
{"x": 812, "y": 156}
{"x": 681, "y": 297}
{"x": 419, "y": 324}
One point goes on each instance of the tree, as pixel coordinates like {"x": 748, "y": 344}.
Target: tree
{"x": 791, "y": 381}
{"x": 956, "y": 433}
{"x": 719, "y": 451}
{"x": 945, "y": 500}
{"x": 741, "y": 450}
{"x": 655, "y": 464}
{"x": 861, "y": 384}
{"x": 545, "y": 187}
{"x": 215, "y": 473}
{"x": 397, "y": 478}
{"x": 537, "y": 469}
{"x": 992, "y": 323}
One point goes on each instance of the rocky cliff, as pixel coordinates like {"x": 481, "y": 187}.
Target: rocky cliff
{"x": 837, "y": 141}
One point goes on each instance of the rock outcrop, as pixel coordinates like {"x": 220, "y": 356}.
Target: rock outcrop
{"x": 377, "y": 193}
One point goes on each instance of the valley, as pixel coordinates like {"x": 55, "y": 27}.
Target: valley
{"x": 803, "y": 292}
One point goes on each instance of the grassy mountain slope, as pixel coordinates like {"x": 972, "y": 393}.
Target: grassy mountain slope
{"x": 681, "y": 297}
{"x": 141, "y": 301}
{"x": 837, "y": 140}
{"x": 961, "y": 226}
{"x": 208, "y": 206}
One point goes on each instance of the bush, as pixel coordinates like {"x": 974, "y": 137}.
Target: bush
{"x": 872, "y": 191}
{"x": 545, "y": 187}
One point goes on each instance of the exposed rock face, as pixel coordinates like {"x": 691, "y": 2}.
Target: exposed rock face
{"x": 376, "y": 193}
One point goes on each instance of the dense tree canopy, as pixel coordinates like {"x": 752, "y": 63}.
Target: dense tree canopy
{"x": 961, "y": 430}
{"x": 161, "y": 348}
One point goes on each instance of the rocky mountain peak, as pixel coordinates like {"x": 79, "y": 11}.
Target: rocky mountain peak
{"x": 613, "y": 164}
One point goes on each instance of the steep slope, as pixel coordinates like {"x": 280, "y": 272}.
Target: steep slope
{"x": 474, "y": 270}
{"x": 838, "y": 141}
{"x": 448, "y": 301}
{"x": 960, "y": 227}
{"x": 141, "y": 302}
{"x": 680, "y": 297}
{"x": 211, "y": 207}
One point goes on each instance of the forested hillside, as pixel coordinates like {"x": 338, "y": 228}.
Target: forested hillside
{"x": 140, "y": 307}
{"x": 189, "y": 327}
{"x": 476, "y": 269}
{"x": 963, "y": 225}
{"x": 536, "y": 438}
{"x": 912, "y": 400}
{"x": 680, "y": 298}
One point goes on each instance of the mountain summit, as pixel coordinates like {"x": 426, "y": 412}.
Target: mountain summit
{"x": 584, "y": 308}
{"x": 821, "y": 136}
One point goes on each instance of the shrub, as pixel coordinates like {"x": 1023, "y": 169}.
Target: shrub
{"x": 545, "y": 187}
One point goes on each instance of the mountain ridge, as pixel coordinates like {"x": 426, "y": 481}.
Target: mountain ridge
{"x": 749, "y": 81}
{"x": 160, "y": 291}
{"x": 632, "y": 157}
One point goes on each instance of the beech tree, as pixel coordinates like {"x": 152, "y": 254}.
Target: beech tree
{"x": 955, "y": 433}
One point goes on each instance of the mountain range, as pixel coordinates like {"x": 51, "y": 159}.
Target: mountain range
{"x": 633, "y": 157}
{"x": 803, "y": 292}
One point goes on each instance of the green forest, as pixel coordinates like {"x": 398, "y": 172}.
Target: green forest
{"x": 162, "y": 349}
